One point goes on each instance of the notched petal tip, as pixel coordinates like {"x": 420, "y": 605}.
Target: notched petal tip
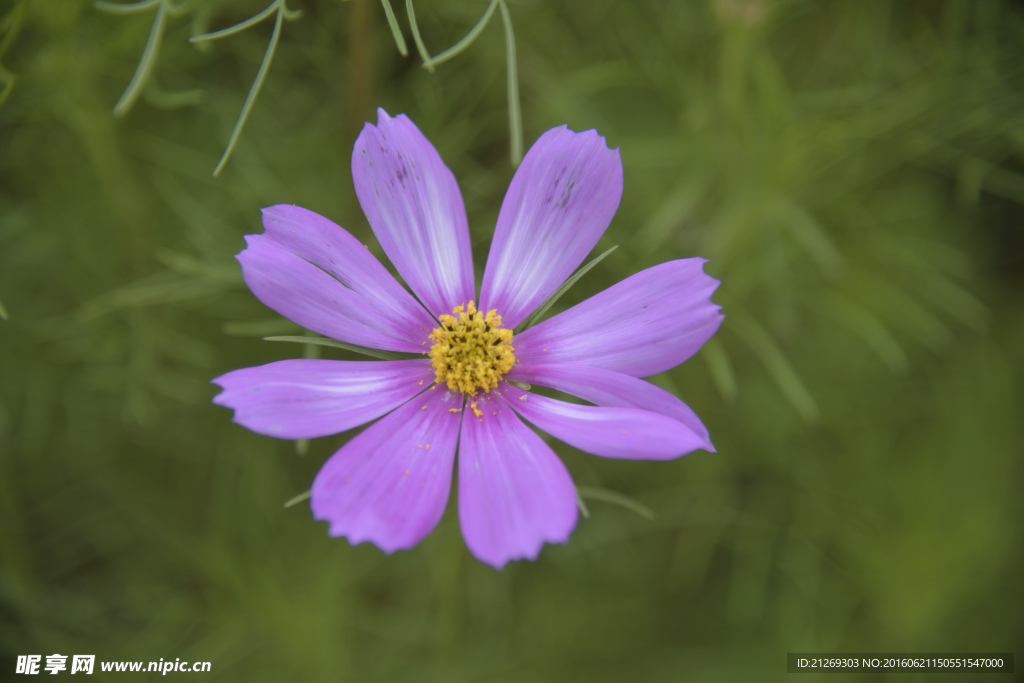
{"x": 386, "y": 547}
{"x": 515, "y": 495}
{"x": 384, "y": 486}
{"x": 558, "y": 205}
{"x": 590, "y": 137}
{"x": 414, "y": 206}
{"x": 387, "y": 122}
{"x": 499, "y": 563}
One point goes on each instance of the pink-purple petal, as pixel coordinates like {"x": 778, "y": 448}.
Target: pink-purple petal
{"x": 333, "y": 249}
{"x": 561, "y": 200}
{"x": 414, "y": 206}
{"x": 312, "y": 298}
{"x": 646, "y": 324}
{"x": 515, "y": 494}
{"x": 389, "y": 485}
{"x": 613, "y": 389}
{"x": 306, "y": 399}
{"x": 628, "y": 433}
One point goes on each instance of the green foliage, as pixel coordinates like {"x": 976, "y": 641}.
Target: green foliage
{"x": 323, "y": 341}
{"x": 852, "y": 170}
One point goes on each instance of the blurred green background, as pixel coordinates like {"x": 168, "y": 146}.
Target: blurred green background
{"x": 854, "y": 171}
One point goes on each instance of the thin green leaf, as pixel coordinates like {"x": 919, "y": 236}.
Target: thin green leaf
{"x": 146, "y": 63}
{"x": 1004, "y": 183}
{"x": 254, "y": 90}
{"x": 3, "y": 311}
{"x": 159, "y": 98}
{"x": 666, "y": 220}
{"x": 928, "y": 253}
{"x": 129, "y": 8}
{"x": 515, "y": 119}
{"x": 191, "y": 266}
{"x": 811, "y": 236}
{"x": 955, "y": 300}
{"x": 396, "y": 31}
{"x": 200, "y": 24}
{"x": 8, "y": 79}
{"x": 606, "y": 496}
{"x": 533, "y": 319}
{"x": 721, "y": 369}
{"x": 11, "y": 25}
{"x": 305, "y": 495}
{"x": 468, "y": 40}
{"x": 776, "y": 363}
{"x": 231, "y": 30}
{"x": 582, "y": 506}
{"x": 904, "y": 311}
{"x": 867, "y": 326}
{"x": 258, "y": 328}
{"x": 931, "y": 283}
{"x": 323, "y": 341}
{"x": 301, "y": 447}
{"x": 160, "y": 288}
{"x": 311, "y": 351}
{"x": 424, "y": 55}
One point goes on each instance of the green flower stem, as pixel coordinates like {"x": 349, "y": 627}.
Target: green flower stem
{"x": 396, "y": 32}
{"x": 606, "y": 496}
{"x": 159, "y": 98}
{"x": 515, "y": 122}
{"x": 305, "y": 495}
{"x": 460, "y": 46}
{"x": 424, "y": 55}
{"x": 515, "y": 119}
{"x": 146, "y": 63}
{"x": 581, "y": 505}
{"x": 241, "y": 26}
{"x": 282, "y": 13}
{"x": 129, "y": 8}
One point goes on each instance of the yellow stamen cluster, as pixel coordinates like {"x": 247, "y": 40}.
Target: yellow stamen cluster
{"x": 471, "y": 350}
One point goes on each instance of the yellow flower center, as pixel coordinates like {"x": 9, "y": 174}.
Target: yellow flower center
{"x": 471, "y": 350}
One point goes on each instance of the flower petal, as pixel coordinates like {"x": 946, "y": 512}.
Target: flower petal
{"x": 389, "y": 484}
{"x": 317, "y": 275}
{"x": 612, "y": 389}
{"x": 330, "y": 247}
{"x": 611, "y": 432}
{"x": 515, "y": 495}
{"x": 560, "y": 202}
{"x": 646, "y": 324}
{"x": 305, "y": 399}
{"x": 415, "y": 208}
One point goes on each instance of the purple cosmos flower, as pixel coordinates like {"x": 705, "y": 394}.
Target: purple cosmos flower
{"x": 389, "y": 485}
